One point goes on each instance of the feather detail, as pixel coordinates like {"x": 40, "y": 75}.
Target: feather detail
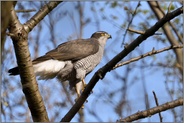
{"x": 48, "y": 69}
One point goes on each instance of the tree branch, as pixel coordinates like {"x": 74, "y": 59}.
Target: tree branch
{"x": 147, "y": 54}
{"x": 28, "y": 80}
{"x": 108, "y": 67}
{"x": 154, "y": 5}
{"x": 30, "y": 24}
{"x": 25, "y": 11}
{"x": 5, "y": 17}
{"x": 19, "y": 35}
{"x": 156, "y": 101}
{"x": 140, "y": 32}
{"x": 133, "y": 15}
{"x": 152, "y": 111}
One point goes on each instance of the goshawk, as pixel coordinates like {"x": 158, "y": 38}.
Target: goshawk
{"x": 71, "y": 61}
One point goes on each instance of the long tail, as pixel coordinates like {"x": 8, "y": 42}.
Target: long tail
{"x": 14, "y": 71}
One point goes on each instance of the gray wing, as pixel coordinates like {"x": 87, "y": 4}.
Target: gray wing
{"x": 71, "y": 50}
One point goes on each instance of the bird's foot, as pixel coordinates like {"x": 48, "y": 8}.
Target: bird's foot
{"x": 84, "y": 86}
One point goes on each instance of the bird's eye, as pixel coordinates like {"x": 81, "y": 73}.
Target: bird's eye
{"x": 102, "y": 34}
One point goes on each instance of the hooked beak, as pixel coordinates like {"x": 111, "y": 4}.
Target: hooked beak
{"x": 109, "y": 36}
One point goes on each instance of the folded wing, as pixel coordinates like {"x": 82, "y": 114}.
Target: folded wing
{"x": 72, "y": 50}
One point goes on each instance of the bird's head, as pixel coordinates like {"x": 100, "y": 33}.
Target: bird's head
{"x": 102, "y": 35}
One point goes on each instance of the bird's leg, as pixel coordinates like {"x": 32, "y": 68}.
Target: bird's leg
{"x": 78, "y": 89}
{"x": 84, "y": 84}
{"x": 78, "y": 92}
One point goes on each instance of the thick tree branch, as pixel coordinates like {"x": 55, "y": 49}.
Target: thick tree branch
{"x": 5, "y": 17}
{"x": 28, "y": 80}
{"x": 152, "y": 111}
{"x": 19, "y": 35}
{"x": 108, "y": 67}
{"x": 29, "y": 25}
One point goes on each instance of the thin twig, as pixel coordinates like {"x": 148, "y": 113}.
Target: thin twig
{"x": 156, "y": 101}
{"x": 169, "y": 8}
{"x": 22, "y": 10}
{"x": 147, "y": 54}
{"x": 140, "y": 32}
{"x": 133, "y": 15}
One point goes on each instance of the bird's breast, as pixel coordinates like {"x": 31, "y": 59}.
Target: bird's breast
{"x": 90, "y": 62}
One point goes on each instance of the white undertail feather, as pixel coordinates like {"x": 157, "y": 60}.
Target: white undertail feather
{"x": 48, "y": 69}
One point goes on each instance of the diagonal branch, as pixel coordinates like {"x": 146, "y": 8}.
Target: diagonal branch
{"x": 108, "y": 67}
{"x": 29, "y": 25}
{"x": 130, "y": 22}
{"x": 147, "y": 54}
{"x": 152, "y": 111}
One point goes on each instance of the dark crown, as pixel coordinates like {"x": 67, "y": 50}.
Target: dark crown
{"x": 99, "y": 34}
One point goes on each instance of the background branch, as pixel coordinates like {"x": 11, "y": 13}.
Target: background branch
{"x": 152, "y": 111}
{"x": 159, "y": 14}
{"x": 140, "y": 32}
{"x": 133, "y": 15}
{"x": 28, "y": 10}
{"x": 147, "y": 54}
{"x": 30, "y": 24}
{"x": 156, "y": 101}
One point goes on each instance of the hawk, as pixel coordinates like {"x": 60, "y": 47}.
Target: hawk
{"x": 70, "y": 61}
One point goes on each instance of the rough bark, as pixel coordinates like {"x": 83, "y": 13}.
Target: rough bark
{"x": 19, "y": 35}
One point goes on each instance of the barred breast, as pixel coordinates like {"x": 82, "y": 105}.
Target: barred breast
{"x": 87, "y": 64}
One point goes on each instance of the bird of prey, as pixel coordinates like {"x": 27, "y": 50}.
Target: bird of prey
{"x": 70, "y": 61}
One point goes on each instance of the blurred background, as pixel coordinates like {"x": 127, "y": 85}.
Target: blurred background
{"x": 124, "y": 90}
